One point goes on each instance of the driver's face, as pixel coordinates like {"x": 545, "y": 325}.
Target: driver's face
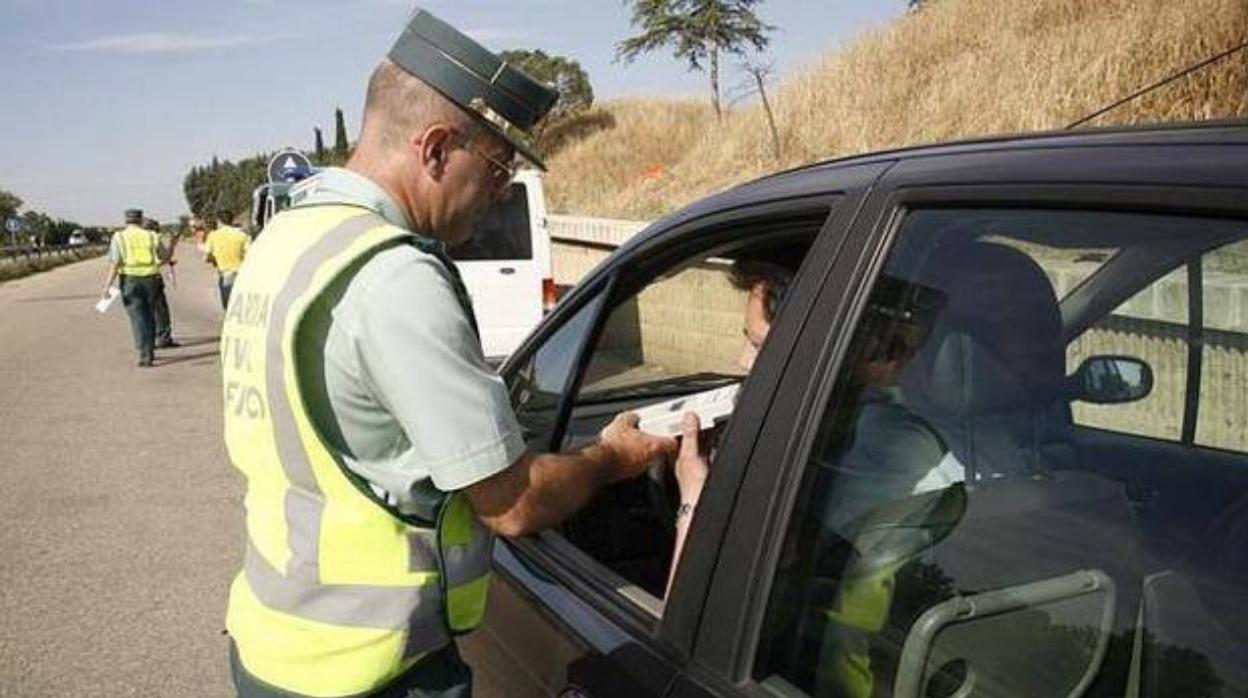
{"x": 755, "y": 325}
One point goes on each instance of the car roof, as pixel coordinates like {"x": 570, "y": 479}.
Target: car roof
{"x": 989, "y": 159}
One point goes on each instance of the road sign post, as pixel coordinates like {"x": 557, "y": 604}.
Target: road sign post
{"x": 13, "y": 225}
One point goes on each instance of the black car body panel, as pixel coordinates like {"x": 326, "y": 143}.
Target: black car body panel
{"x": 704, "y": 641}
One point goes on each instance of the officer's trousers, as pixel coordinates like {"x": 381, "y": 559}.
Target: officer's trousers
{"x": 138, "y": 294}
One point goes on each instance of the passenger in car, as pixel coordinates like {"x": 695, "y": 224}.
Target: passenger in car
{"x": 886, "y": 451}
{"x": 882, "y": 453}
{"x": 765, "y": 285}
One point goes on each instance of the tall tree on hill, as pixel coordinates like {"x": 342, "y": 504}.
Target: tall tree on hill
{"x": 320, "y": 145}
{"x": 340, "y": 137}
{"x": 697, "y": 31}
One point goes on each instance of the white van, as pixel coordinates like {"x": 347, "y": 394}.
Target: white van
{"x": 506, "y": 267}
{"x": 505, "y": 264}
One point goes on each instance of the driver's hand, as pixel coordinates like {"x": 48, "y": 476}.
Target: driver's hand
{"x": 631, "y": 449}
{"x": 691, "y": 465}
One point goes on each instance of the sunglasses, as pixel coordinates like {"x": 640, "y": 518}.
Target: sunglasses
{"x": 501, "y": 173}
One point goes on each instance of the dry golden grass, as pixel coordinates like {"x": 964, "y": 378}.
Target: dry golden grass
{"x": 959, "y": 68}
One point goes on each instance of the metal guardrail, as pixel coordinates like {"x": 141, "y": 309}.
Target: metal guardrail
{"x": 30, "y": 252}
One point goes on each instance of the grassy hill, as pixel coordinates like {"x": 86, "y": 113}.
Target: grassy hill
{"x": 956, "y": 69}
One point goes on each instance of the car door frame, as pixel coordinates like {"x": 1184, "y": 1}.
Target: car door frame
{"x": 723, "y": 652}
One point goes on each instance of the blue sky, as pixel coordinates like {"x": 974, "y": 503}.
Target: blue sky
{"x": 105, "y": 104}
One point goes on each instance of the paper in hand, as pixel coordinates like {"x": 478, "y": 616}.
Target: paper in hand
{"x": 666, "y": 418}
{"x": 106, "y": 302}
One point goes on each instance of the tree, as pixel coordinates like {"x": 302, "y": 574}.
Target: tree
{"x": 759, "y": 72}
{"x": 9, "y": 203}
{"x": 320, "y": 145}
{"x": 697, "y": 31}
{"x": 340, "y": 137}
{"x": 564, "y": 74}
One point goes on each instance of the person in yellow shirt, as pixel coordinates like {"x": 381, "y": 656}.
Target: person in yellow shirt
{"x": 225, "y": 248}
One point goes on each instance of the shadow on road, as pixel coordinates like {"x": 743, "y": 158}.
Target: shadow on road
{"x": 201, "y": 357}
{"x": 194, "y": 341}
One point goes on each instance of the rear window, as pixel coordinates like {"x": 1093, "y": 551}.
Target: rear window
{"x": 502, "y": 233}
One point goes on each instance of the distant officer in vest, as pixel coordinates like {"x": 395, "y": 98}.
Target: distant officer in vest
{"x": 380, "y": 451}
{"x": 160, "y": 306}
{"x": 135, "y": 255}
{"x": 225, "y": 249}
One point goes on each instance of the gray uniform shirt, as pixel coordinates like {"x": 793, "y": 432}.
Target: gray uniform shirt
{"x": 404, "y": 391}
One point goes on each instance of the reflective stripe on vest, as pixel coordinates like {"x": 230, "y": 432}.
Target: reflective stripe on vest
{"x": 139, "y": 252}
{"x": 337, "y": 595}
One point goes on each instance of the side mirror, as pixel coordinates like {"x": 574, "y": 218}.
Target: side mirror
{"x": 1111, "y": 380}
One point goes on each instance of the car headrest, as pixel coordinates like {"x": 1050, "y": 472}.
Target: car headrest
{"x": 997, "y": 343}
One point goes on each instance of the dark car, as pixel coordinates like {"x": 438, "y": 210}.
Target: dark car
{"x": 1045, "y": 495}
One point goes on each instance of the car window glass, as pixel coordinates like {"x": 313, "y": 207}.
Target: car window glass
{"x": 1152, "y": 325}
{"x": 1223, "y": 415}
{"x": 539, "y": 382}
{"x": 502, "y": 232}
{"x": 957, "y": 533}
{"x": 684, "y": 323}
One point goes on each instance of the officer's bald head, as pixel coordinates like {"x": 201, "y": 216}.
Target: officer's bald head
{"x": 399, "y": 106}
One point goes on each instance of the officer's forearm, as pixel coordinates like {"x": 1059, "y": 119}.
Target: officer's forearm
{"x": 538, "y": 491}
{"x": 109, "y": 278}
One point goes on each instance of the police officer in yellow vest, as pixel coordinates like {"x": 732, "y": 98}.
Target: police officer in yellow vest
{"x": 135, "y": 254}
{"x": 380, "y": 451}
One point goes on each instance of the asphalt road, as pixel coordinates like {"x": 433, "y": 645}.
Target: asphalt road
{"x": 121, "y": 517}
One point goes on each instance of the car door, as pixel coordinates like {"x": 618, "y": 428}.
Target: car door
{"x": 956, "y": 531}
{"x": 582, "y": 608}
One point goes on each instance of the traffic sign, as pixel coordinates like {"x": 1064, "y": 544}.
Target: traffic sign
{"x": 13, "y": 225}
{"x": 289, "y": 166}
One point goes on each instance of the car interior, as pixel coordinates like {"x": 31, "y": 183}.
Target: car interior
{"x": 1096, "y": 523}
{"x": 1105, "y": 554}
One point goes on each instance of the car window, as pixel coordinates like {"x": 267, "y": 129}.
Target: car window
{"x": 1223, "y": 417}
{"x": 502, "y": 233}
{"x": 1151, "y": 325}
{"x": 684, "y": 323}
{"x": 673, "y": 327}
{"x": 539, "y": 382}
{"x": 957, "y": 532}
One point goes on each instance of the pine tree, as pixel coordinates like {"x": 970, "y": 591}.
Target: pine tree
{"x": 698, "y": 31}
{"x": 340, "y": 137}
{"x": 320, "y": 145}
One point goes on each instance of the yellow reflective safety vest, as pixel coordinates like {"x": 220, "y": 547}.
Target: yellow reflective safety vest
{"x": 139, "y": 251}
{"x": 338, "y": 593}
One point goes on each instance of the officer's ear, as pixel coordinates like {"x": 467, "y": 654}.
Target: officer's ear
{"x": 434, "y": 149}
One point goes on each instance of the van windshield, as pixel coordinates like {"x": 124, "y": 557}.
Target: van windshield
{"x": 502, "y": 233}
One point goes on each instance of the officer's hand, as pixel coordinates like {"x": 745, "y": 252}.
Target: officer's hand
{"x": 691, "y": 465}
{"x": 631, "y": 449}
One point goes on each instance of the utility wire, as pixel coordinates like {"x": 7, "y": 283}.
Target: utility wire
{"x": 1140, "y": 93}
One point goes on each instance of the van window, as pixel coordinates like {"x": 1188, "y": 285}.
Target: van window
{"x": 503, "y": 233}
